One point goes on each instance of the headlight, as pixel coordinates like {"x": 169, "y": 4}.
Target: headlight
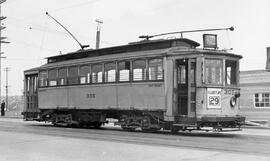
{"x": 233, "y": 101}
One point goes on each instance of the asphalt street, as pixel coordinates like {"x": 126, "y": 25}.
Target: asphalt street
{"x": 41, "y": 141}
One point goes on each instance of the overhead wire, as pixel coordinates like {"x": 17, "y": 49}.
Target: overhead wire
{"x": 75, "y": 5}
{"x": 23, "y": 59}
{"x": 31, "y": 45}
{"x": 62, "y": 8}
{"x": 44, "y": 28}
{"x": 34, "y": 26}
{"x": 43, "y": 35}
{"x": 38, "y": 27}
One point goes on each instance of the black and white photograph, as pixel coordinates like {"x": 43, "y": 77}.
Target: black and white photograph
{"x": 135, "y": 80}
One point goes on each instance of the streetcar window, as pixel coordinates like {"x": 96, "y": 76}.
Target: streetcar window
{"x": 52, "y": 76}
{"x": 213, "y": 71}
{"x": 28, "y": 84}
{"x": 62, "y": 76}
{"x": 73, "y": 74}
{"x": 97, "y": 73}
{"x": 43, "y": 78}
{"x": 124, "y": 70}
{"x": 182, "y": 74}
{"x": 84, "y": 74}
{"x": 139, "y": 70}
{"x": 35, "y": 83}
{"x": 110, "y": 73}
{"x": 155, "y": 69}
{"x": 230, "y": 71}
{"x": 192, "y": 74}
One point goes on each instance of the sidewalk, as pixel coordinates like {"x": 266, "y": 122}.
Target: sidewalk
{"x": 257, "y": 124}
{"x": 11, "y": 119}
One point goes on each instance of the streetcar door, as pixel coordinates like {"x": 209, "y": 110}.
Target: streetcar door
{"x": 186, "y": 71}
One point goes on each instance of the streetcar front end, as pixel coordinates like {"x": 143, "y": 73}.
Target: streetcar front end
{"x": 218, "y": 95}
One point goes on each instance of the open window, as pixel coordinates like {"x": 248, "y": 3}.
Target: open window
{"x": 230, "y": 70}
{"x": 97, "y": 73}
{"x": 110, "y": 73}
{"x": 84, "y": 74}
{"x": 124, "y": 71}
{"x": 155, "y": 69}
{"x": 62, "y": 76}
{"x": 52, "y": 77}
{"x": 139, "y": 70}
{"x": 73, "y": 75}
{"x": 43, "y": 75}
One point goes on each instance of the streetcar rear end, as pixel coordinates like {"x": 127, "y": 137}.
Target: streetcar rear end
{"x": 31, "y": 109}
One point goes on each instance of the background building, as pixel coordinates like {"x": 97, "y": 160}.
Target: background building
{"x": 255, "y": 93}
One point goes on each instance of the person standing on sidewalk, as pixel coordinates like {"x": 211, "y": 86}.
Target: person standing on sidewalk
{"x": 3, "y": 104}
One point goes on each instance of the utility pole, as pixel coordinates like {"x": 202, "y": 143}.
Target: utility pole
{"x": 1, "y": 41}
{"x": 6, "y": 70}
{"x": 1, "y": 69}
{"x": 99, "y": 22}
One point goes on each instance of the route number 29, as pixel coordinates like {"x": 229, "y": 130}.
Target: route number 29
{"x": 214, "y": 100}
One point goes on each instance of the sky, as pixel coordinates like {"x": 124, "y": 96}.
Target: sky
{"x": 33, "y": 36}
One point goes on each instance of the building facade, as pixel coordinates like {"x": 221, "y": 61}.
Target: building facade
{"x": 255, "y": 93}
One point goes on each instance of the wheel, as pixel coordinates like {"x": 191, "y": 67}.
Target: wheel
{"x": 174, "y": 130}
{"x": 150, "y": 130}
{"x": 97, "y": 125}
{"x": 128, "y": 129}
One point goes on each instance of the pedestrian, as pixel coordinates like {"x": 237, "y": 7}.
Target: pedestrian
{"x": 3, "y": 106}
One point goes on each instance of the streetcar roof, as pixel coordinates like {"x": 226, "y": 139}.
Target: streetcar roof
{"x": 131, "y": 47}
{"x": 153, "y": 48}
{"x": 107, "y": 58}
{"x": 138, "y": 55}
{"x": 31, "y": 71}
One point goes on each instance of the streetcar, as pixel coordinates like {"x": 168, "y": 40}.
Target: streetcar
{"x": 168, "y": 84}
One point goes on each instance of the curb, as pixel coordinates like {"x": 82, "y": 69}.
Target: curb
{"x": 10, "y": 117}
{"x": 256, "y": 127}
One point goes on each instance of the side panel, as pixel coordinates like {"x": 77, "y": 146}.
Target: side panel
{"x": 96, "y": 97}
{"x": 141, "y": 96}
{"x": 51, "y": 98}
{"x": 224, "y": 108}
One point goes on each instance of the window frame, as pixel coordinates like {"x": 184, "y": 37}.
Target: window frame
{"x": 87, "y": 76}
{"x": 106, "y": 77}
{"x": 50, "y": 80}
{"x": 45, "y": 80}
{"x": 234, "y": 68}
{"x": 221, "y": 74}
{"x": 102, "y": 73}
{"x": 73, "y": 78}
{"x": 157, "y": 73}
{"x": 143, "y": 73}
{"x": 65, "y": 79}
{"x": 264, "y": 102}
{"x": 129, "y": 74}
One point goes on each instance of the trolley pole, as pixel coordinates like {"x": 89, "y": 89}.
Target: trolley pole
{"x": 6, "y": 70}
{"x": 1, "y": 41}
